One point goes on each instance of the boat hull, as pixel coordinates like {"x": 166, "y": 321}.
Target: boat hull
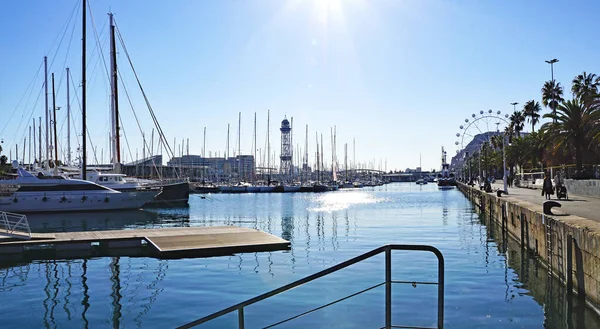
{"x": 67, "y": 202}
{"x": 253, "y": 189}
{"x": 173, "y": 195}
{"x": 293, "y": 188}
{"x": 267, "y": 189}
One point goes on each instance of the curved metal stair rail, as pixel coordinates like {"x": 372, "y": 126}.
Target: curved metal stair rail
{"x": 14, "y": 225}
{"x": 388, "y": 289}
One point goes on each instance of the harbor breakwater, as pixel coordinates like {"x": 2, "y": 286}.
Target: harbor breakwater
{"x": 568, "y": 245}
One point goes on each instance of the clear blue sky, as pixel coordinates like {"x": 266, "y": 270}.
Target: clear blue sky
{"x": 399, "y": 76}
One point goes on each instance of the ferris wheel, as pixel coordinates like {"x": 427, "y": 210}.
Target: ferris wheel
{"x": 482, "y": 127}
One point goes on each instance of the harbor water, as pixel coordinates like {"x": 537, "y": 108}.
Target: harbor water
{"x": 489, "y": 281}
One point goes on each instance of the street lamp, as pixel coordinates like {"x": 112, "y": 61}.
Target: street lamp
{"x": 551, "y": 62}
{"x": 514, "y": 106}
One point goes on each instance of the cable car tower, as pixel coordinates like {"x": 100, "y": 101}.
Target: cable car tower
{"x": 285, "y": 168}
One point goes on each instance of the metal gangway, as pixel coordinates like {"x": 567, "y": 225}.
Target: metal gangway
{"x": 14, "y": 226}
{"x": 387, "y": 249}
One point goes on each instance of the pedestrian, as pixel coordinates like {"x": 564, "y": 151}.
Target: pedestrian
{"x": 547, "y": 189}
{"x": 558, "y": 180}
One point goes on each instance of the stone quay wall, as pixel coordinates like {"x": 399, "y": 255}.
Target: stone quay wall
{"x": 568, "y": 245}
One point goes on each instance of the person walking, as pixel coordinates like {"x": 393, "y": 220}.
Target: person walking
{"x": 547, "y": 189}
{"x": 558, "y": 180}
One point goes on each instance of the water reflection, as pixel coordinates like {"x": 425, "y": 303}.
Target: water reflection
{"x": 561, "y": 310}
{"x": 92, "y": 221}
{"x": 328, "y": 202}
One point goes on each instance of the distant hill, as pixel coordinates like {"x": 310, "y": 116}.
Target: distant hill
{"x": 474, "y": 146}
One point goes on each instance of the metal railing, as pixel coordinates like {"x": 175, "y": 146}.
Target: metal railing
{"x": 388, "y": 289}
{"x": 14, "y": 225}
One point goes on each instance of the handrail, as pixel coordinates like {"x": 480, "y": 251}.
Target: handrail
{"x": 14, "y": 225}
{"x": 387, "y": 249}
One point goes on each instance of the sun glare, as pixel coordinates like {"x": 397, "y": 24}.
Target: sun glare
{"x": 326, "y": 10}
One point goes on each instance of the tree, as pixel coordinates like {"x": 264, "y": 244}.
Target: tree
{"x": 571, "y": 128}
{"x": 3, "y": 160}
{"x": 517, "y": 122}
{"x": 585, "y": 86}
{"x": 552, "y": 93}
{"x": 531, "y": 111}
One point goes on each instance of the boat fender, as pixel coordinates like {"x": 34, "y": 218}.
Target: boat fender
{"x": 63, "y": 199}
{"x": 15, "y": 200}
{"x": 106, "y": 199}
{"x": 44, "y": 198}
{"x": 83, "y": 198}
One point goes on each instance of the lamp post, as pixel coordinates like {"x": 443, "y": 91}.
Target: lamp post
{"x": 551, "y": 62}
{"x": 514, "y": 104}
{"x": 504, "y": 177}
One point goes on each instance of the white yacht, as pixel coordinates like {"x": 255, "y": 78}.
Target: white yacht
{"x": 28, "y": 193}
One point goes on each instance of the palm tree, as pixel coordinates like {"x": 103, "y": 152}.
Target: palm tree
{"x": 552, "y": 93}
{"x": 571, "y": 128}
{"x": 585, "y": 86}
{"x": 531, "y": 112}
{"x": 517, "y": 122}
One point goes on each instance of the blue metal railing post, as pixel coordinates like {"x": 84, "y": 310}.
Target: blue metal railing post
{"x": 441, "y": 283}
{"x": 388, "y": 288}
{"x": 241, "y": 317}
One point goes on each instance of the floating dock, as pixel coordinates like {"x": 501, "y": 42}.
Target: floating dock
{"x": 158, "y": 243}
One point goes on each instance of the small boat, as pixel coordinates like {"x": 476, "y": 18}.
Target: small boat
{"x": 253, "y": 189}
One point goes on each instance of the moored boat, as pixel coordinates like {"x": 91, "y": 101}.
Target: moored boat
{"x": 28, "y": 193}
{"x": 445, "y": 179}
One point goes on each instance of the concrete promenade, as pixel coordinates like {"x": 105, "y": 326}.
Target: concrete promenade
{"x": 581, "y": 206}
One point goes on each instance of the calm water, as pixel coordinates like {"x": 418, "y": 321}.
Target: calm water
{"x": 489, "y": 282}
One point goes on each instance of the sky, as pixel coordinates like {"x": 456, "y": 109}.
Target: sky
{"x": 395, "y": 77}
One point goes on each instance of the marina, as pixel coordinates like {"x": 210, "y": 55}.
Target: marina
{"x": 253, "y": 165}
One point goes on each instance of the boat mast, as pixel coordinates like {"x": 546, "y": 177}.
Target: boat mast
{"x": 318, "y": 161}
{"x": 47, "y": 120}
{"x": 54, "y": 124}
{"x": 204, "y": 157}
{"x": 227, "y": 144}
{"x": 268, "y": 148}
{"x": 305, "y": 162}
{"x": 239, "y": 159}
{"x": 83, "y": 94}
{"x": 322, "y": 158}
{"x": 292, "y": 150}
{"x": 254, "y": 152}
{"x": 68, "y": 120}
{"x": 34, "y": 146}
{"x": 116, "y": 158}
{"x": 40, "y": 139}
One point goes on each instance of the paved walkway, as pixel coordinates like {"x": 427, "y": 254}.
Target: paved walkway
{"x": 582, "y": 206}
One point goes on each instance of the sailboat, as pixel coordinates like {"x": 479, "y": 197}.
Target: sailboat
{"x": 174, "y": 193}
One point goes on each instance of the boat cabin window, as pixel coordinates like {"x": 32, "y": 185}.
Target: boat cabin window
{"x": 62, "y": 188}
